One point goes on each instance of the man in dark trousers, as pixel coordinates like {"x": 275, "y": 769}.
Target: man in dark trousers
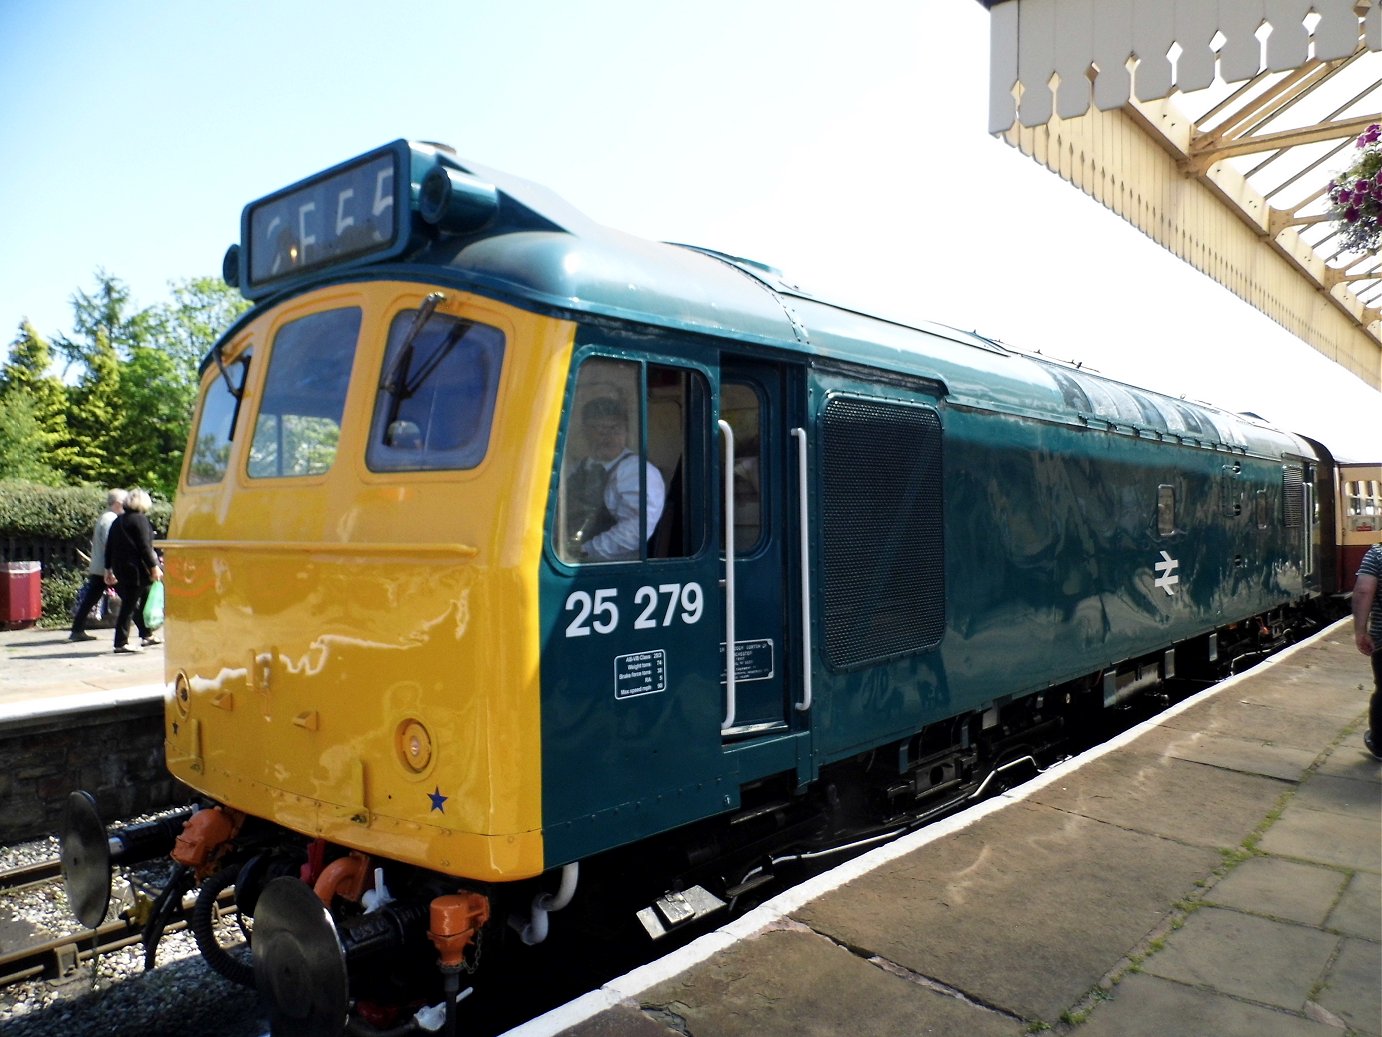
{"x": 1367, "y": 635}
{"x": 95, "y": 585}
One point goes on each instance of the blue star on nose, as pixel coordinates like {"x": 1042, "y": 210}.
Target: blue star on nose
{"x": 438, "y": 800}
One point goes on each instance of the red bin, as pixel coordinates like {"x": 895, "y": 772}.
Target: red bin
{"x": 21, "y": 594}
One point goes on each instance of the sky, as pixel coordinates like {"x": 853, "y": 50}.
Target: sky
{"x": 845, "y": 144}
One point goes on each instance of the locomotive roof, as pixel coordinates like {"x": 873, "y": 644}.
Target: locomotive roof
{"x": 536, "y": 248}
{"x": 585, "y": 267}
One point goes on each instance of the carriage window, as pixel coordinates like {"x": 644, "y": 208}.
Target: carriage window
{"x": 1165, "y": 510}
{"x": 299, "y": 422}
{"x": 1262, "y": 511}
{"x": 436, "y": 394}
{"x": 624, "y": 483}
{"x": 741, "y": 407}
{"x": 216, "y": 424}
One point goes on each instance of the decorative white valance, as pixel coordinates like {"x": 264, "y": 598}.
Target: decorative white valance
{"x": 1065, "y": 54}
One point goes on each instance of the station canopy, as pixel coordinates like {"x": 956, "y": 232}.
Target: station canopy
{"x": 1216, "y": 128}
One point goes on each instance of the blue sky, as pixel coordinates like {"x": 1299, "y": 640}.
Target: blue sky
{"x": 844, "y": 143}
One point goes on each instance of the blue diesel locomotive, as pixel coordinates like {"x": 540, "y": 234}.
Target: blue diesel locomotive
{"x": 506, "y": 541}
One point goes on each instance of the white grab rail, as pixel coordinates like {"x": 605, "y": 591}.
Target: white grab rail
{"x": 729, "y": 576}
{"x": 799, "y": 434}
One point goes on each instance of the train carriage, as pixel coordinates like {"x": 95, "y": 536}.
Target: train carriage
{"x": 506, "y": 540}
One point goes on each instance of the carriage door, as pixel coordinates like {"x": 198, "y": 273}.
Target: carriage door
{"x": 758, "y": 450}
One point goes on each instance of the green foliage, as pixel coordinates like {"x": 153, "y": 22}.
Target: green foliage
{"x": 96, "y": 420}
{"x": 29, "y": 511}
{"x": 33, "y": 412}
{"x": 121, "y": 411}
{"x": 201, "y": 311}
{"x": 21, "y": 442}
{"x": 61, "y": 585}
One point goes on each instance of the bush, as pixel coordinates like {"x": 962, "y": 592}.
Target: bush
{"x": 61, "y": 585}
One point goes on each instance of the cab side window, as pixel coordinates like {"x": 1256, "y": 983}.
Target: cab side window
{"x": 623, "y": 491}
{"x": 216, "y": 423}
{"x": 741, "y": 406}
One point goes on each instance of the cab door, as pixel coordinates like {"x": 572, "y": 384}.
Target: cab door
{"x": 760, "y": 538}
{"x": 652, "y": 572}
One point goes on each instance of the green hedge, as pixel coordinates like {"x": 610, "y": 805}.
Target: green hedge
{"x": 51, "y": 525}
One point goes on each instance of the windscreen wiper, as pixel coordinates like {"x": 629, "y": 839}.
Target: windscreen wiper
{"x": 216, "y": 354}
{"x": 395, "y": 382}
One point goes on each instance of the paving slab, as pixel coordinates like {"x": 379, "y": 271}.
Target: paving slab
{"x": 1327, "y": 838}
{"x": 1351, "y": 988}
{"x": 1026, "y": 910}
{"x": 1270, "y": 724}
{"x": 1145, "y": 1006}
{"x": 43, "y": 666}
{"x": 1146, "y": 792}
{"x": 1351, "y": 759}
{"x": 1248, "y": 756}
{"x": 798, "y": 983}
{"x": 1270, "y": 962}
{"x": 1286, "y": 890}
{"x": 1359, "y": 910}
{"x": 622, "y": 1021}
{"x": 1338, "y": 794}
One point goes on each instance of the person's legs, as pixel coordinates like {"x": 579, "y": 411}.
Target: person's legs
{"x": 1374, "y": 736}
{"x": 128, "y": 602}
{"x": 139, "y": 601}
{"x": 90, "y": 594}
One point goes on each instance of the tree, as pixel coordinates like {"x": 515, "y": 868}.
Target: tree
{"x": 103, "y": 321}
{"x": 158, "y": 398}
{"x": 27, "y": 383}
{"x": 201, "y": 311}
{"x": 99, "y": 419}
{"x": 122, "y": 411}
{"x": 21, "y": 449}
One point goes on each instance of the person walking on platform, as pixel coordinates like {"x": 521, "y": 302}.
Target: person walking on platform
{"x": 132, "y": 568}
{"x": 95, "y": 585}
{"x": 1367, "y": 635}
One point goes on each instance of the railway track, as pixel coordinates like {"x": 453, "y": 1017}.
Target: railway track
{"x": 61, "y": 956}
{"x": 26, "y": 875}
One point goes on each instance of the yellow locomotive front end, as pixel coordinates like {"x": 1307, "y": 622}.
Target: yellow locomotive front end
{"x": 351, "y": 574}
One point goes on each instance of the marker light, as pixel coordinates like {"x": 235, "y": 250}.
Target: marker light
{"x": 230, "y": 266}
{"x": 454, "y": 201}
{"x": 414, "y": 745}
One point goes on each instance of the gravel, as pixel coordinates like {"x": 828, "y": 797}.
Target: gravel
{"x": 112, "y": 996}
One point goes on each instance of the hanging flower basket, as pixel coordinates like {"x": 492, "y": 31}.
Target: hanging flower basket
{"x": 1356, "y": 196}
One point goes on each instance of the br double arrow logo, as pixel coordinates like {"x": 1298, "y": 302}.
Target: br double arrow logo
{"x": 1166, "y": 573}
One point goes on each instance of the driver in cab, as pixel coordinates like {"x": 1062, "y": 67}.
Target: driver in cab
{"x": 603, "y": 492}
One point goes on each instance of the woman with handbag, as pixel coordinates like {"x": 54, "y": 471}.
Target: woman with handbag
{"x": 132, "y": 568}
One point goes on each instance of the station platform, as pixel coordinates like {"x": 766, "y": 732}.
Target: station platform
{"x": 1216, "y": 871}
{"x": 41, "y": 672}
